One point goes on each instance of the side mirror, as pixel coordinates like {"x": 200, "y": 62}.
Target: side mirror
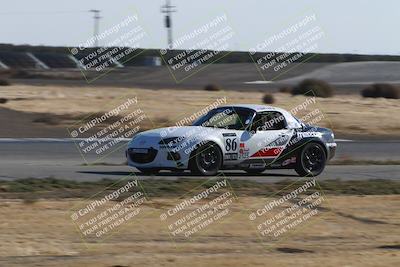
{"x": 250, "y": 131}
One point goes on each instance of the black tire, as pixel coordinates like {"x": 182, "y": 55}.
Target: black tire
{"x": 311, "y": 160}
{"x": 255, "y": 171}
{"x": 148, "y": 171}
{"x": 206, "y": 160}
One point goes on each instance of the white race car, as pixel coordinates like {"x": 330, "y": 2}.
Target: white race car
{"x": 252, "y": 138}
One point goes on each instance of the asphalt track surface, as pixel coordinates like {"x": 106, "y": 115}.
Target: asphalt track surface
{"x": 61, "y": 159}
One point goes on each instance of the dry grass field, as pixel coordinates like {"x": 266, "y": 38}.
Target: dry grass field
{"x": 346, "y": 115}
{"x": 365, "y": 233}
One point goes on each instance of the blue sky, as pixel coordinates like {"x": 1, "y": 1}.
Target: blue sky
{"x": 350, "y": 26}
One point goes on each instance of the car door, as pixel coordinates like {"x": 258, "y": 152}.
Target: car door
{"x": 267, "y": 137}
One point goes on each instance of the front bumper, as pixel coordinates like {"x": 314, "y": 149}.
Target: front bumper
{"x": 331, "y": 150}
{"x": 156, "y": 158}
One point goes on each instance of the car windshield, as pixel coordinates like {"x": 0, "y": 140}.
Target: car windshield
{"x": 299, "y": 121}
{"x": 226, "y": 118}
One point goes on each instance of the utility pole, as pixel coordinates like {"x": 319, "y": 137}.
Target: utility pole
{"x": 96, "y": 17}
{"x": 168, "y": 10}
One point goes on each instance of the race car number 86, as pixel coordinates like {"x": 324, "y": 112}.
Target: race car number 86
{"x": 230, "y": 144}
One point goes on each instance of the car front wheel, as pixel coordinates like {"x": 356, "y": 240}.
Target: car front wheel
{"x": 206, "y": 160}
{"x": 311, "y": 160}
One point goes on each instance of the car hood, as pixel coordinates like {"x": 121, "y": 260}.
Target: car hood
{"x": 191, "y": 134}
{"x": 183, "y": 131}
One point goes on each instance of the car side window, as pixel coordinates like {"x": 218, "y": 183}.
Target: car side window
{"x": 268, "y": 121}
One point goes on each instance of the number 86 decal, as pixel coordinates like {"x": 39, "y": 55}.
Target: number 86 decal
{"x": 231, "y": 144}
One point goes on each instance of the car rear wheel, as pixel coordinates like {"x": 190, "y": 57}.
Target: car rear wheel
{"x": 311, "y": 160}
{"x": 149, "y": 171}
{"x": 206, "y": 160}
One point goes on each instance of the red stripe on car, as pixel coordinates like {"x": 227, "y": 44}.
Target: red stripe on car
{"x": 268, "y": 152}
